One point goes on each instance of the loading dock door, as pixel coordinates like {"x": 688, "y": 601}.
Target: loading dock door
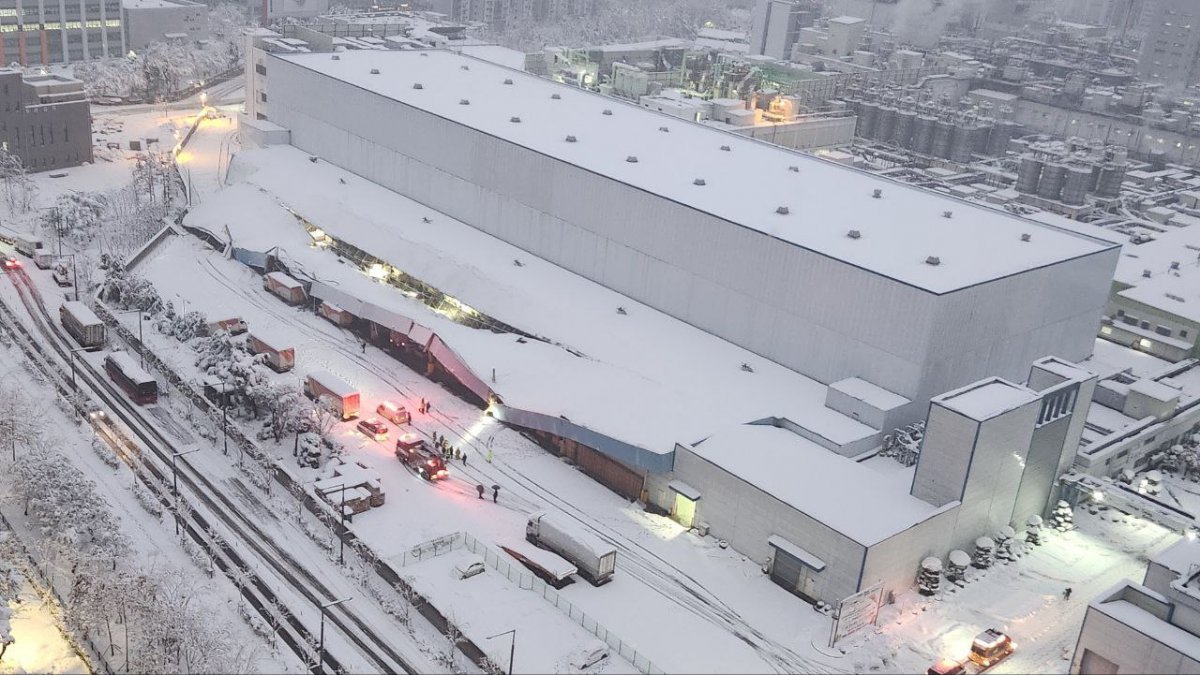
{"x": 794, "y": 568}
{"x": 685, "y": 510}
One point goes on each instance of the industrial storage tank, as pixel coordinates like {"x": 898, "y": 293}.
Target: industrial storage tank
{"x": 903, "y": 133}
{"x": 1054, "y": 175}
{"x": 1029, "y": 174}
{"x": 923, "y": 134}
{"x": 868, "y": 113}
{"x": 962, "y": 142}
{"x": 1111, "y": 176}
{"x": 1075, "y": 188}
{"x": 943, "y": 131}
{"x": 1001, "y": 134}
{"x": 886, "y": 124}
{"x": 982, "y": 132}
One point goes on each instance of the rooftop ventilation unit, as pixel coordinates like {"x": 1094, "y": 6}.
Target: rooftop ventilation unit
{"x": 877, "y": 193}
{"x": 374, "y": 71}
{"x": 507, "y": 81}
{"x": 514, "y": 119}
{"x": 947, "y": 214}
{"x": 854, "y": 234}
{"x": 418, "y": 85}
{"x": 699, "y": 181}
{"x": 465, "y": 67}
{"x": 336, "y": 57}
{"x": 782, "y": 210}
{"x": 725, "y": 148}
{"x": 570, "y": 139}
{"x": 794, "y": 169}
{"x": 664, "y": 128}
{"x": 463, "y": 101}
{"x": 424, "y": 53}
{"x": 1147, "y": 273}
{"x": 933, "y": 260}
{"x": 606, "y": 111}
{"x": 1026, "y": 237}
{"x": 1174, "y": 264}
{"x": 555, "y": 96}
{"x": 632, "y": 159}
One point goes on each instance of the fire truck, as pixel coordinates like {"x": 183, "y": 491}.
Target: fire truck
{"x": 416, "y": 454}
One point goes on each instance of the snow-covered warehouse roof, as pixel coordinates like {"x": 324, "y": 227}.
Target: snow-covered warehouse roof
{"x": 745, "y": 181}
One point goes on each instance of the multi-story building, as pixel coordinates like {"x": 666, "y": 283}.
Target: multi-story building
{"x": 269, "y": 10}
{"x": 499, "y": 14}
{"x": 1170, "y": 53}
{"x": 46, "y": 120}
{"x": 149, "y": 21}
{"x": 60, "y": 32}
{"x": 776, "y": 27}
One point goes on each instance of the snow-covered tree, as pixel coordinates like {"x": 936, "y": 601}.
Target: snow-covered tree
{"x": 21, "y": 421}
{"x": 1005, "y": 542}
{"x": 1062, "y": 519}
{"x": 1033, "y": 530}
{"x": 985, "y": 551}
{"x": 956, "y": 568}
{"x": 19, "y": 189}
{"x": 74, "y": 216}
{"x": 929, "y": 580}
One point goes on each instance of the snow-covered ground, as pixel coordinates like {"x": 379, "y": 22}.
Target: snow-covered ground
{"x": 1023, "y": 599}
{"x": 39, "y": 644}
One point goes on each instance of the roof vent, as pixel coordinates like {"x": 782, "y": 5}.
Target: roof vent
{"x": 632, "y": 159}
{"x": 418, "y": 85}
{"x": 1026, "y": 237}
{"x": 336, "y": 57}
{"x": 374, "y": 71}
{"x": 465, "y": 67}
{"x": 794, "y": 169}
{"x": 1174, "y": 264}
{"x": 424, "y": 53}
{"x": 947, "y": 214}
{"x": 1147, "y": 273}
{"x": 854, "y": 234}
{"x": 664, "y": 128}
{"x": 514, "y": 119}
{"x": 725, "y": 148}
{"x": 507, "y": 81}
{"x": 555, "y": 96}
{"x": 877, "y": 193}
{"x": 463, "y": 101}
{"x": 782, "y": 210}
{"x": 606, "y": 112}
{"x": 933, "y": 260}
{"x": 570, "y": 139}
{"x": 699, "y": 181}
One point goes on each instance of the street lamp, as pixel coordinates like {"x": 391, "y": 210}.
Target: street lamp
{"x": 342, "y": 534}
{"x": 141, "y": 342}
{"x": 512, "y": 650}
{"x": 321, "y": 652}
{"x": 225, "y": 421}
{"x": 175, "y": 482}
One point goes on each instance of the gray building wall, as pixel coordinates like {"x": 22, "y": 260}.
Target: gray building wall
{"x": 746, "y": 516}
{"x": 60, "y": 31}
{"x": 1105, "y": 642}
{"x": 1171, "y": 50}
{"x": 45, "y": 135}
{"x": 152, "y": 22}
{"x": 766, "y": 295}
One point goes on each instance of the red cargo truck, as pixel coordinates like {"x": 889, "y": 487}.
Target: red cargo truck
{"x": 277, "y": 357}
{"x": 287, "y": 288}
{"x": 323, "y": 386}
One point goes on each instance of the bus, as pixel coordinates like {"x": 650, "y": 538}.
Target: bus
{"x": 82, "y": 324}
{"x": 129, "y": 376}
{"x": 28, "y": 245}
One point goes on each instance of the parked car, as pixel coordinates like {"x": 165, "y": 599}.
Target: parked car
{"x": 374, "y": 429}
{"x": 991, "y": 647}
{"x": 947, "y": 667}
{"x": 469, "y": 568}
{"x": 394, "y": 413}
{"x": 11, "y": 263}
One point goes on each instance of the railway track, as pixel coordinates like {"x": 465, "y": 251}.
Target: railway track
{"x": 221, "y": 508}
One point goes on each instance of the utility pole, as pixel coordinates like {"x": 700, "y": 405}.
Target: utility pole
{"x": 512, "y": 649}
{"x": 175, "y": 483}
{"x": 321, "y": 649}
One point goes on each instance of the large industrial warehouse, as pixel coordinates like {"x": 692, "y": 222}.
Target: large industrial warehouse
{"x": 742, "y": 239}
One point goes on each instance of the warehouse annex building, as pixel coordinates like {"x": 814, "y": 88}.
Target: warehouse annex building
{"x": 902, "y": 303}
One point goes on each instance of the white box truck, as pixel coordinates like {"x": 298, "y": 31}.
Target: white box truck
{"x": 595, "y": 559}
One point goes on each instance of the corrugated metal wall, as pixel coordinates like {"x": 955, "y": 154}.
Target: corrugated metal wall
{"x": 819, "y": 316}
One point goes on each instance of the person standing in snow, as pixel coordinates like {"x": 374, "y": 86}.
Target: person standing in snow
{"x": 363, "y": 344}
{"x": 480, "y": 489}
{"x": 495, "y": 494}
{"x": 1067, "y": 594}
{"x": 463, "y": 456}
{"x": 489, "y": 456}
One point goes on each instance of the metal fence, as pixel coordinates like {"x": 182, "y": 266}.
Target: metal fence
{"x": 526, "y": 581}
{"x": 430, "y": 549}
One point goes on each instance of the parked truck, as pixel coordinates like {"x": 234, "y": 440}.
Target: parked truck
{"x": 28, "y": 245}
{"x": 233, "y": 326}
{"x": 277, "y": 357}
{"x": 336, "y": 315}
{"x": 344, "y": 398}
{"x": 595, "y": 559}
{"x": 43, "y": 259}
{"x": 414, "y": 452}
{"x": 287, "y": 288}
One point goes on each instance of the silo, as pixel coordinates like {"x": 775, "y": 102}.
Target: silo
{"x": 868, "y": 112}
{"x": 981, "y": 133}
{"x": 961, "y": 142}
{"x": 999, "y": 138}
{"x": 923, "y": 134}
{"x": 1158, "y": 159}
{"x": 1051, "y": 184}
{"x": 903, "y": 134}
{"x": 1111, "y": 175}
{"x": 1075, "y": 188}
{"x": 943, "y": 131}
{"x": 1028, "y": 174}
{"x": 886, "y": 124}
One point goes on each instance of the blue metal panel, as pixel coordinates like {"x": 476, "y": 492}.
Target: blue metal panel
{"x": 254, "y": 259}
{"x": 630, "y": 455}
